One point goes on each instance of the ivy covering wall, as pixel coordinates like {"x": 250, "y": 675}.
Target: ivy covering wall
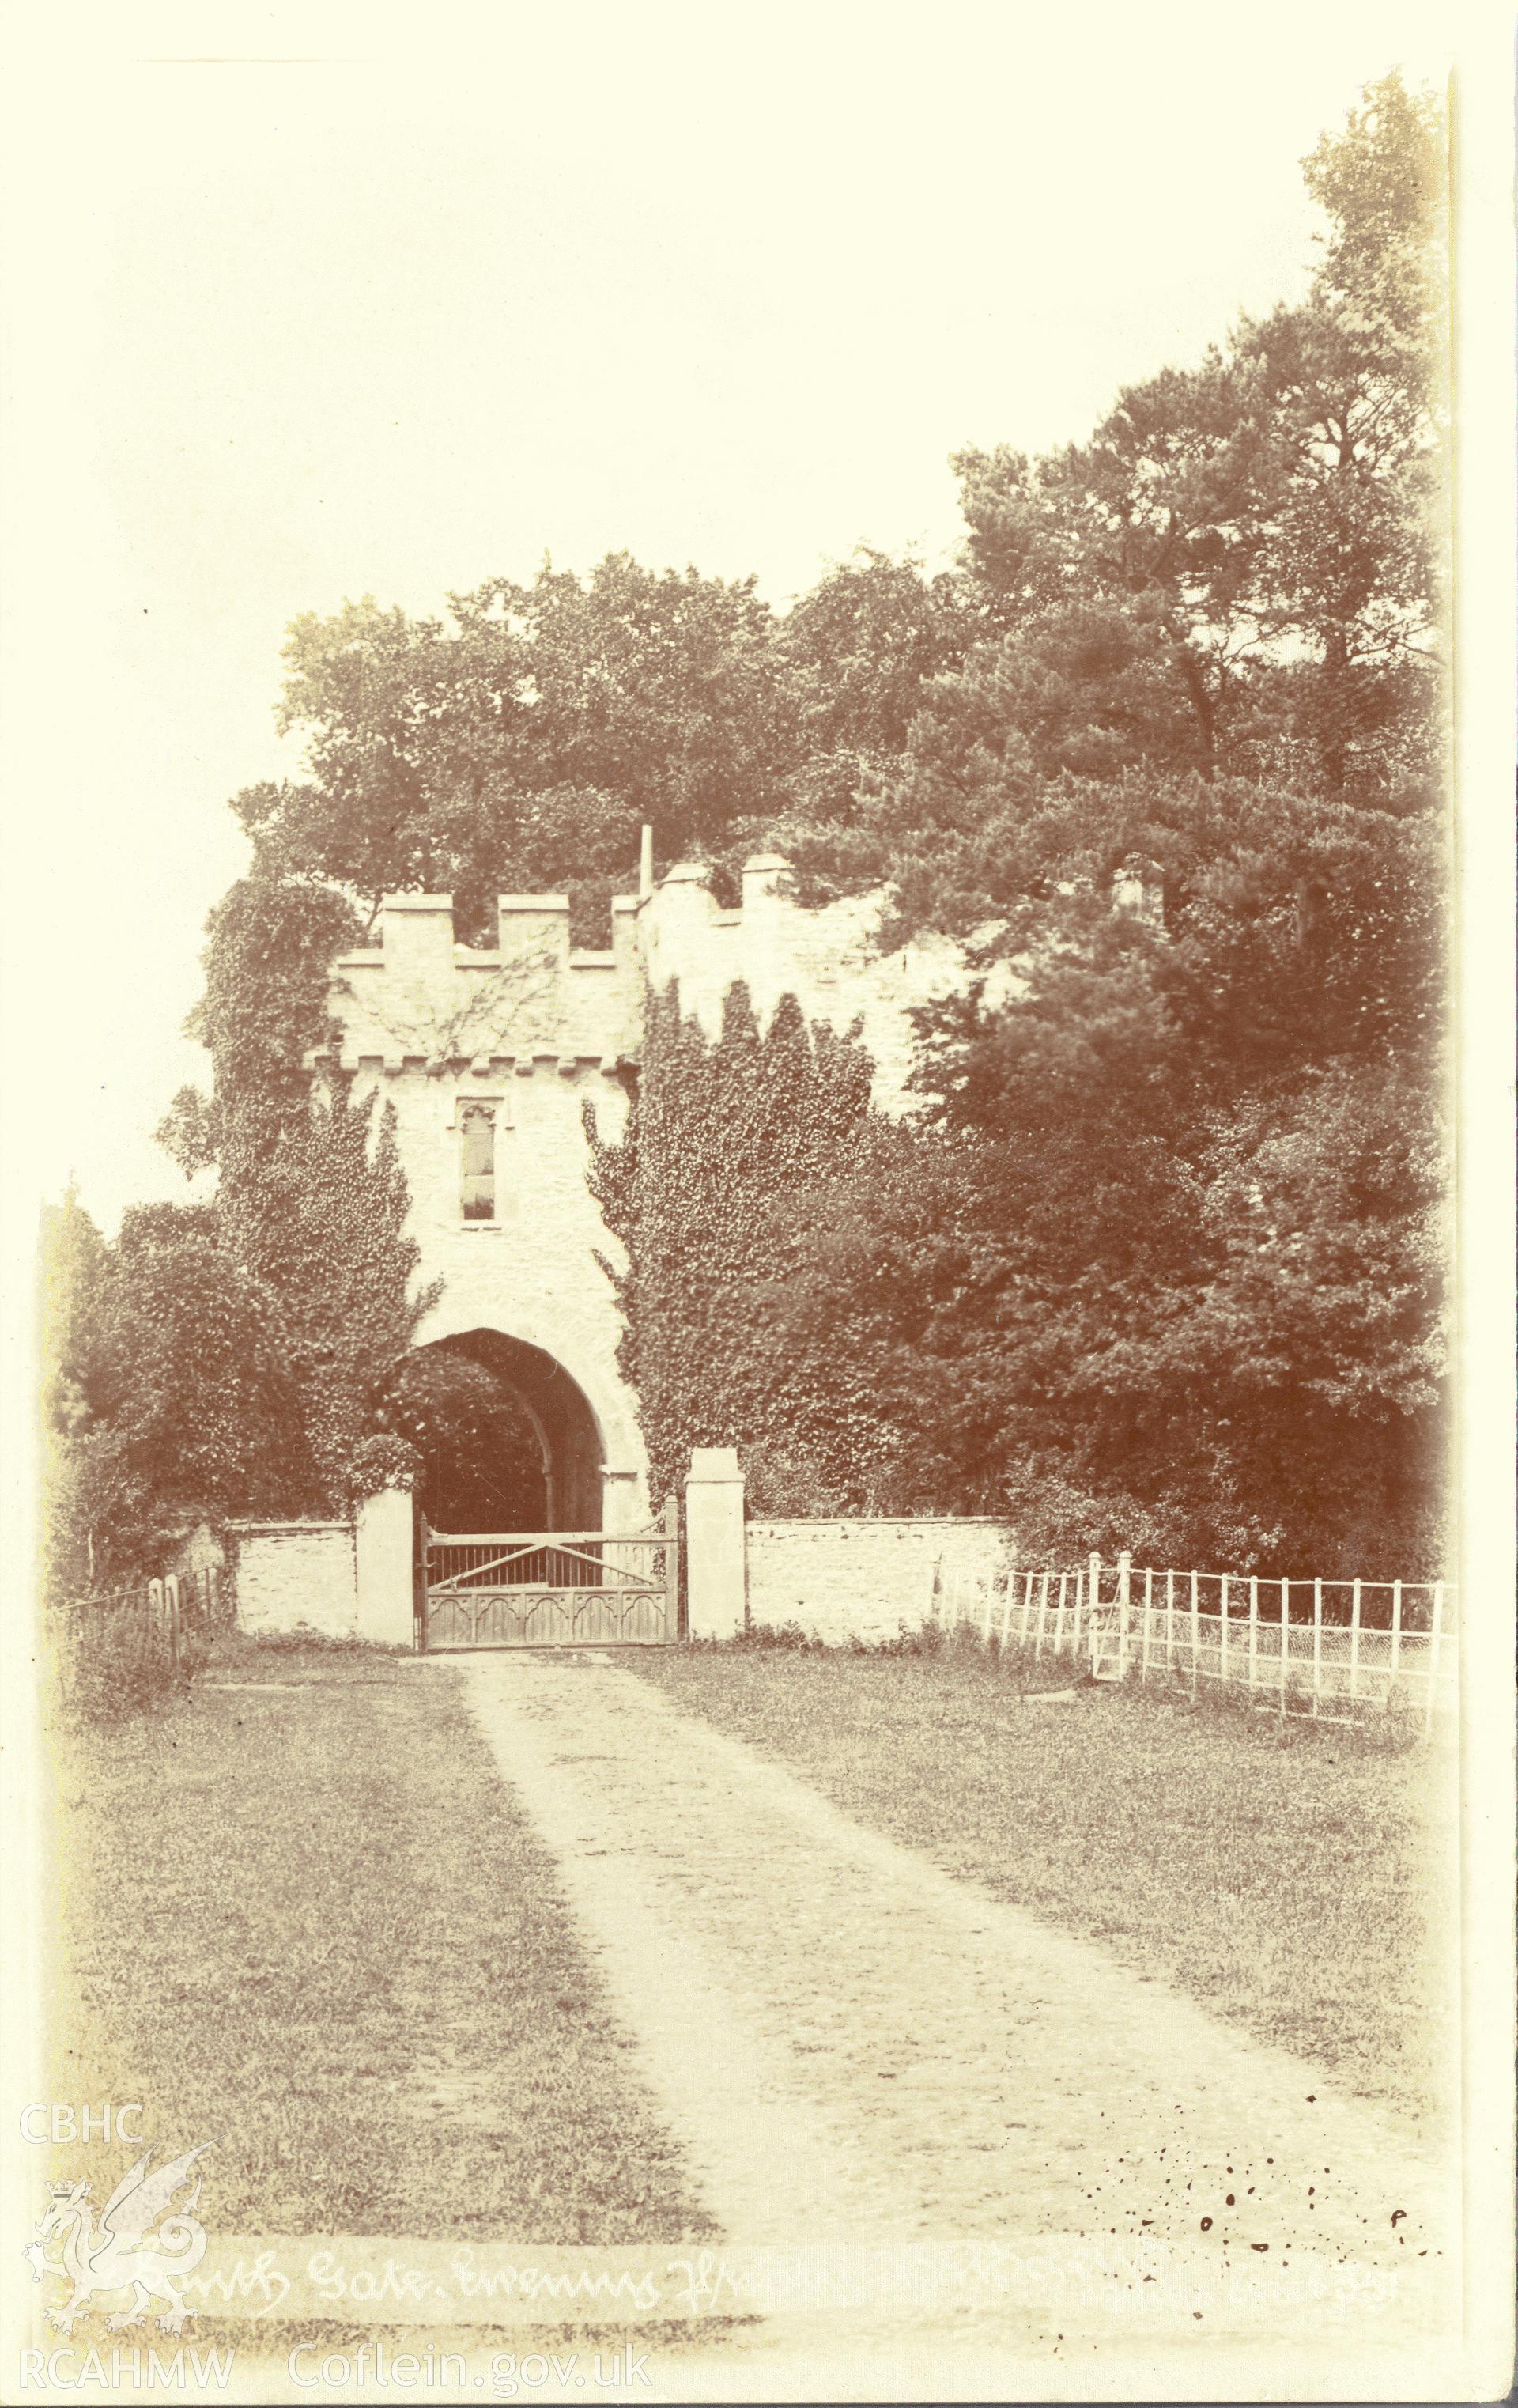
{"x": 728, "y": 1151}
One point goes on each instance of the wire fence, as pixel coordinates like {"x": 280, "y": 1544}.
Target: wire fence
{"x": 1333, "y": 1649}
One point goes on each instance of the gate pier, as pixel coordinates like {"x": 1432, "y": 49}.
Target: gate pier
{"x": 382, "y": 1567}
{"x": 714, "y": 1561}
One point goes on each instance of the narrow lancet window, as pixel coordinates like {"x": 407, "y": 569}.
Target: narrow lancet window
{"x": 476, "y": 1127}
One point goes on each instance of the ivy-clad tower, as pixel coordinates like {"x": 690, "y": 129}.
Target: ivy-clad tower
{"x": 491, "y": 1059}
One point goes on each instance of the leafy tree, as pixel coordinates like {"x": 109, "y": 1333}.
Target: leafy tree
{"x": 1164, "y": 1139}
{"x": 1122, "y": 572}
{"x": 1240, "y": 571}
{"x": 176, "y": 1400}
{"x": 322, "y": 1223}
{"x": 860, "y": 648}
{"x": 311, "y": 1202}
{"x": 1165, "y": 1258}
{"x": 863, "y": 640}
{"x": 520, "y": 743}
{"x": 1226, "y": 1349}
{"x": 270, "y": 945}
{"x": 1356, "y": 380}
{"x": 523, "y": 742}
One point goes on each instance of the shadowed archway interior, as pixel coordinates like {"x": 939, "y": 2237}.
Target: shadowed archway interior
{"x": 508, "y": 1440}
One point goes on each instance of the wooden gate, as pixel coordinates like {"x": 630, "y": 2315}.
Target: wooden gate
{"x": 551, "y": 1589}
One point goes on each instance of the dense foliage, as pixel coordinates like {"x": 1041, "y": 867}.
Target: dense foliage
{"x": 1162, "y": 1263}
{"x": 231, "y": 1357}
{"x": 1159, "y": 1262}
{"x": 525, "y": 740}
{"x": 520, "y": 744}
{"x": 172, "y": 1398}
{"x": 730, "y": 1151}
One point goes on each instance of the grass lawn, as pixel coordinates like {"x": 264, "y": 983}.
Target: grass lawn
{"x": 304, "y": 1921}
{"x": 1287, "y": 1878}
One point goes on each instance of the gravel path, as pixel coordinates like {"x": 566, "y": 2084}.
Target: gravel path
{"x": 856, "y": 2048}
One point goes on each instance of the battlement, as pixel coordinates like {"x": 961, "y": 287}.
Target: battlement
{"x": 416, "y": 934}
{"x": 827, "y": 958}
{"x": 419, "y": 997}
{"x": 417, "y": 1000}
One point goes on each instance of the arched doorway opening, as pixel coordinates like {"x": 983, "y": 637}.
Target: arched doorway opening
{"x": 508, "y": 1440}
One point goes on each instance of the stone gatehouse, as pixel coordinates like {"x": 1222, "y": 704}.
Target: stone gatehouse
{"x": 490, "y": 1058}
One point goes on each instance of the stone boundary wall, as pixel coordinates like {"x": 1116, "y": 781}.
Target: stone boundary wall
{"x": 295, "y": 1575}
{"x": 838, "y": 1580}
{"x": 863, "y": 1579}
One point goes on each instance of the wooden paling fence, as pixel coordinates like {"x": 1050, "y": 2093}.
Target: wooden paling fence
{"x": 150, "y": 1624}
{"x": 1335, "y": 1650}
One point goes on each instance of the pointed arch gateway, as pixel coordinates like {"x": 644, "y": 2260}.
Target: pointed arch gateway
{"x": 511, "y": 1542}
{"x": 521, "y": 1445}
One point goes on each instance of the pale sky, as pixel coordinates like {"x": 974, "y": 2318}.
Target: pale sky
{"x": 310, "y": 303}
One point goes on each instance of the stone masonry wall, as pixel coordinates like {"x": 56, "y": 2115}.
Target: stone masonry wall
{"x": 295, "y": 1575}
{"x": 826, "y": 958}
{"x": 536, "y": 1029}
{"x": 862, "y": 1579}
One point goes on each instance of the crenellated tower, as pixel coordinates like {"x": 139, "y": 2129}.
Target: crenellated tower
{"x": 490, "y": 1058}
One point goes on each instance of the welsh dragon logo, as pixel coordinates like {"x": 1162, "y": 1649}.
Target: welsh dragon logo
{"x": 136, "y": 2246}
